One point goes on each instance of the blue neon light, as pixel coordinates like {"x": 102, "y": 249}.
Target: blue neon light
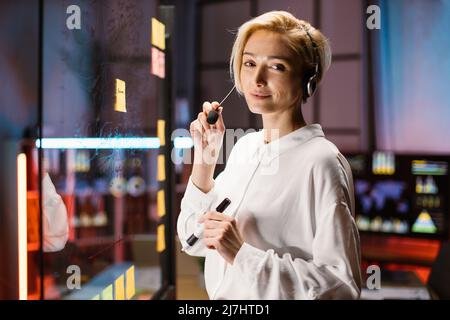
{"x": 110, "y": 143}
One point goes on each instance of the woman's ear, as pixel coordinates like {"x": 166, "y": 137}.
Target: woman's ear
{"x": 300, "y": 94}
{"x": 299, "y": 79}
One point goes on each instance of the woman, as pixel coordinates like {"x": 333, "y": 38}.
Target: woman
{"x": 289, "y": 232}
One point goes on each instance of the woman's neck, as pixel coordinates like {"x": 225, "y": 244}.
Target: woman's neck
{"x": 280, "y": 124}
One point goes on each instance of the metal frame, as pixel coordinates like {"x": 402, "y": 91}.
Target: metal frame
{"x": 166, "y": 110}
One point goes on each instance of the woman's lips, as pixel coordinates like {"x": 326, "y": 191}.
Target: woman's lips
{"x": 259, "y": 96}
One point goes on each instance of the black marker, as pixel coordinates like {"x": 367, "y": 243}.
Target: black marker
{"x": 199, "y": 230}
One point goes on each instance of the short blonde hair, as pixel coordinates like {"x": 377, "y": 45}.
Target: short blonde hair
{"x": 296, "y": 33}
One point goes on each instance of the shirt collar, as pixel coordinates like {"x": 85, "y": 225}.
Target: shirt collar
{"x": 291, "y": 140}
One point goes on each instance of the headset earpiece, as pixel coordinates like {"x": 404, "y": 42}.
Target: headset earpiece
{"x": 311, "y": 85}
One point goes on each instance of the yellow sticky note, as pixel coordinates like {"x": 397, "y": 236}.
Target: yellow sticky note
{"x": 160, "y": 203}
{"x": 158, "y": 34}
{"x": 120, "y": 100}
{"x": 160, "y": 239}
{"x": 130, "y": 285}
{"x": 119, "y": 288}
{"x": 161, "y": 168}
{"x": 96, "y": 297}
{"x": 107, "y": 293}
{"x": 161, "y": 132}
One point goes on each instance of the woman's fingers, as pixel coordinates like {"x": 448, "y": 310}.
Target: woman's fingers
{"x": 220, "y": 124}
{"x": 196, "y": 130}
{"x": 211, "y": 243}
{"x": 202, "y": 118}
{"x": 212, "y": 232}
{"x": 214, "y": 224}
{"x": 197, "y": 126}
{"x": 207, "y": 107}
{"x": 215, "y": 105}
{"x": 205, "y": 134}
{"x": 214, "y": 215}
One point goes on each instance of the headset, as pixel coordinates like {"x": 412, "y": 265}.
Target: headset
{"x": 310, "y": 81}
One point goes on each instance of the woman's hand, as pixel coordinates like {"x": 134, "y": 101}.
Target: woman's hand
{"x": 207, "y": 138}
{"x": 221, "y": 233}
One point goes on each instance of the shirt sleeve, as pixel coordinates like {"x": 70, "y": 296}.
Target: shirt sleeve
{"x": 194, "y": 204}
{"x": 333, "y": 272}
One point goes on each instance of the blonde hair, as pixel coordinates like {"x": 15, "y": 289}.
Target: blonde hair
{"x": 296, "y": 33}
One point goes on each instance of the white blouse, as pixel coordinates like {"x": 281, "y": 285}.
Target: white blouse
{"x": 293, "y": 200}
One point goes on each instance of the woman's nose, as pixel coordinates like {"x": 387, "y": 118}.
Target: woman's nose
{"x": 260, "y": 78}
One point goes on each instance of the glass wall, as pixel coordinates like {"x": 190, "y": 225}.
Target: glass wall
{"x": 99, "y": 156}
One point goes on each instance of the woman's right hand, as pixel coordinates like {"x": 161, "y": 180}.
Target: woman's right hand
{"x": 207, "y": 138}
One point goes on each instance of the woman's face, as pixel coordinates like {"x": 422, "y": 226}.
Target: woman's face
{"x": 270, "y": 77}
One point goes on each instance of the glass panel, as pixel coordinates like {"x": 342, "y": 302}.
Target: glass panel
{"x": 99, "y": 154}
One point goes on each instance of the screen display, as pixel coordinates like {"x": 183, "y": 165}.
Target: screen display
{"x": 401, "y": 194}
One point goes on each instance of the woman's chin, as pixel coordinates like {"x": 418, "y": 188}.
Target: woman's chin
{"x": 258, "y": 109}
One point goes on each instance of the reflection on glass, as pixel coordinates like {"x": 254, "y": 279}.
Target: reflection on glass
{"x": 56, "y": 228}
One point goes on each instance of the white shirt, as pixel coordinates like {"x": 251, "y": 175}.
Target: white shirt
{"x": 293, "y": 200}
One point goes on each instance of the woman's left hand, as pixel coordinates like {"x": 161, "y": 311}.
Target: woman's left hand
{"x": 221, "y": 233}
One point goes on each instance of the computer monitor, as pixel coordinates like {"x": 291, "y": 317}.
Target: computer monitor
{"x": 401, "y": 194}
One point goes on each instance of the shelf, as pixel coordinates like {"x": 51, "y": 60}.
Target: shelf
{"x": 95, "y": 241}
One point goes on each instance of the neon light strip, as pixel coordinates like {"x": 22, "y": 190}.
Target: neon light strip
{"x": 110, "y": 143}
{"x": 22, "y": 225}
{"x": 99, "y": 143}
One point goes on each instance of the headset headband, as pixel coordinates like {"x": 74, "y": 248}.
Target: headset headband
{"x": 315, "y": 53}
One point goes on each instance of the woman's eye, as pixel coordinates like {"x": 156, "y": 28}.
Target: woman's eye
{"x": 248, "y": 64}
{"x": 278, "y": 67}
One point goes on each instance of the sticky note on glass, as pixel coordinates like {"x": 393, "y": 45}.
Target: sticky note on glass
{"x": 158, "y": 65}
{"x": 161, "y": 126}
{"x": 107, "y": 293}
{"x": 160, "y": 239}
{"x": 129, "y": 282}
{"x": 161, "y": 176}
{"x": 158, "y": 34}
{"x": 119, "y": 288}
{"x": 160, "y": 203}
{"x": 120, "y": 103}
